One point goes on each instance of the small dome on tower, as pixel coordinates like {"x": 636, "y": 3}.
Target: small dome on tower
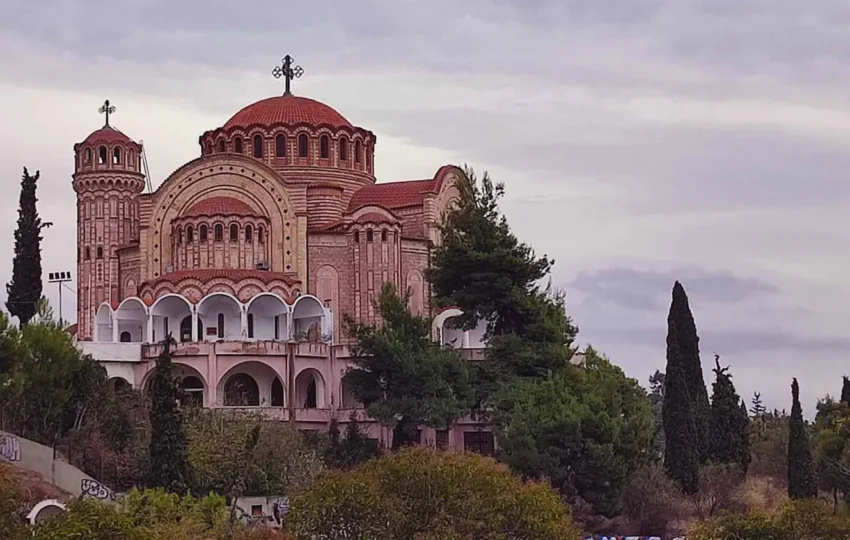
{"x": 107, "y": 135}
{"x": 289, "y": 110}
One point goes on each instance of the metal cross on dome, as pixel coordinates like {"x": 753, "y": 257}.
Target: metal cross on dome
{"x": 106, "y": 109}
{"x": 287, "y": 70}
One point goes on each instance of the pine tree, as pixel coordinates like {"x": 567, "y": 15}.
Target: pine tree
{"x": 681, "y": 457}
{"x": 801, "y": 470}
{"x": 746, "y": 454}
{"x": 757, "y": 409}
{"x": 728, "y": 434}
{"x": 845, "y": 391}
{"x": 687, "y": 341}
{"x": 24, "y": 291}
{"x": 169, "y": 465}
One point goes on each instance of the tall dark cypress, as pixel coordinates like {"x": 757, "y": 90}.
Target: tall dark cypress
{"x": 681, "y": 457}
{"x": 845, "y": 390}
{"x": 802, "y": 483}
{"x": 728, "y": 434}
{"x": 686, "y": 337}
{"x": 169, "y": 464}
{"x": 746, "y": 444}
{"x": 24, "y": 291}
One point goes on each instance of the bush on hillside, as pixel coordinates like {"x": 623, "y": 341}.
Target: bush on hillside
{"x": 799, "y": 520}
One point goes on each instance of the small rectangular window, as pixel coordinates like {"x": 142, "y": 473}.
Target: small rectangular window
{"x": 442, "y": 439}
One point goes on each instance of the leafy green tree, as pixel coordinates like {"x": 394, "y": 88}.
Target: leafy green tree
{"x": 769, "y": 446}
{"x": 585, "y": 429}
{"x": 404, "y": 379}
{"x": 729, "y": 427}
{"x": 429, "y": 496}
{"x": 681, "y": 327}
{"x": 681, "y": 457}
{"x": 832, "y": 425}
{"x": 350, "y": 450}
{"x": 24, "y": 291}
{"x": 169, "y": 465}
{"x": 656, "y": 399}
{"x": 801, "y": 475}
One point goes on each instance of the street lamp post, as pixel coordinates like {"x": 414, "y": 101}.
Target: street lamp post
{"x": 59, "y": 278}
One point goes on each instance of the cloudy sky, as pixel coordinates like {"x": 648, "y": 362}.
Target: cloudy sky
{"x": 640, "y": 141}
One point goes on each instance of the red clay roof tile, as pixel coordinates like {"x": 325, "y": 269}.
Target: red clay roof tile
{"x": 287, "y": 109}
{"x": 219, "y": 206}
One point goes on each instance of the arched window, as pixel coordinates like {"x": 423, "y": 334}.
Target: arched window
{"x": 208, "y": 148}
{"x": 221, "y": 325}
{"x": 241, "y": 390}
{"x": 302, "y": 145}
{"x": 250, "y": 325}
{"x": 190, "y": 234}
{"x": 261, "y": 234}
{"x": 383, "y": 236}
{"x": 218, "y": 231}
{"x": 193, "y": 391}
{"x": 237, "y": 145}
{"x": 258, "y": 146}
{"x": 358, "y": 149}
{"x": 277, "y": 393}
{"x": 125, "y": 337}
{"x": 101, "y": 155}
{"x": 249, "y": 234}
{"x": 368, "y": 157}
{"x": 221, "y": 145}
{"x": 186, "y": 328}
{"x": 88, "y": 254}
{"x": 202, "y": 234}
{"x": 179, "y": 235}
{"x": 131, "y": 158}
{"x": 87, "y": 155}
{"x": 99, "y": 252}
{"x": 343, "y": 149}
{"x": 356, "y": 237}
{"x": 324, "y": 147}
{"x": 311, "y": 401}
{"x": 234, "y": 232}
{"x": 280, "y": 145}
{"x": 369, "y": 235}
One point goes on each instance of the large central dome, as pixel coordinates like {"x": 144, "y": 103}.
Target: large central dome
{"x": 287, "y": 109}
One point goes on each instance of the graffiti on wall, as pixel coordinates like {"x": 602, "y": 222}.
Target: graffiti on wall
{"x": 10, "y": 448}
{"x": 93, "y": 488}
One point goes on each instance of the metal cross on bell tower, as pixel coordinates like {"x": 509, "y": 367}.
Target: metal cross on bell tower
{"x": 287, "y": 70}
{"x": 106, "y": 109}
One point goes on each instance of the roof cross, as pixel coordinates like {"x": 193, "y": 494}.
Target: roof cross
{"x": 107, "y": 109}
{"x": 287, "y": 70}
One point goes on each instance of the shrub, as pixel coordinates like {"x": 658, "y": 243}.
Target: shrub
{"x": 653, "y": 501}
{"x": 419, "y": 494}
{"x": 799, "y": 520}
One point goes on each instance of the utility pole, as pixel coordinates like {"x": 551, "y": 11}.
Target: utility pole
{"x": 59, "y": 278}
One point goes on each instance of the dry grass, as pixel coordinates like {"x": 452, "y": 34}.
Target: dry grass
{"x": 762, "y": 493}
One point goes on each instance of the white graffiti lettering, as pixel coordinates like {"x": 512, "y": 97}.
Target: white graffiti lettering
{"x": 10, "y": 448}
{"x": 95, "y": 489}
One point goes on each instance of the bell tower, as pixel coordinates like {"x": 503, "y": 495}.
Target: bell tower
{"x": 108, "y": 180}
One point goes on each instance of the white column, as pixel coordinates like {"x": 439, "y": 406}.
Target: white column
{"x": 466, "y": 339}
{"x": 195, "y": 336}
{"x": 114, "y": 320}
{"x": 149, "y": 337}
{"x": 243, "y": 321}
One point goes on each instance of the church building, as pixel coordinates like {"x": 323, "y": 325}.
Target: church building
{"x": 250, "y": 255}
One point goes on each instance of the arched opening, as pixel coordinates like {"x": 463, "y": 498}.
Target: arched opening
{"x": 234, "y": 232}
{"x": 308, "y": 319}
{"x": 221, "y": 145}
{"x": 193, "y": 391}
{"x": 44, "y": 510}
{"x": 87, "y": 251}
{"x": 249, "y": 234}
{"x": 309, "y": 390}
{"x": 280, "y": 145}
{"x": 358, "y": 150}
{"x": 186, "y": 329}
{"x": 101, "y": 155}
{"x": 132, "y": 319}
{"x": 237, "y": 145}
{"x": 190, "y": 234}
{"x": 221, "y": 314}
{"x": 179, "y": 235}
{"x": 324, "y": 147}
{"x": 368, "y": 157}
{"x": 303, "y": 149}
{"x": 277, "y": 393}
{"x": 261, "y": 235}
{"x": 202, "y": 233}
{"x": 343, "y": 149}
{"x": 116, "y": 156}
{"x": 383, "y": 236}
{"x": 87, "y": 156}
{"x": 119, "y": 385}
{"x": 99, "y": 252}
{"x": 166, "y": 312}
{"x": 218, "y": 232}
{"x": 269, "y": 315}
{"x": 103, "y": 323}
{"x": 241, "y": 390}
{"x": 258, "y": 146}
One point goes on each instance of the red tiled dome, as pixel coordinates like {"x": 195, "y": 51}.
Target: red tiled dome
{"x": 219, "y": 206}
{"x": 108, "y": 135}
{"x": 287, "y": 109}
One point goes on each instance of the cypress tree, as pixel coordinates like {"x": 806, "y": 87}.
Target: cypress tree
{"x": 681, "y": 457}
{"x": 728, "y": 434}
{"x": 24, "y": 291}
{"x": 845, "y": 391}
{"x": 746, "y": 445}
{"x": 169, "y": 465}
{"x": 801, "y": 470}
{"x": 685, "y": 335}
